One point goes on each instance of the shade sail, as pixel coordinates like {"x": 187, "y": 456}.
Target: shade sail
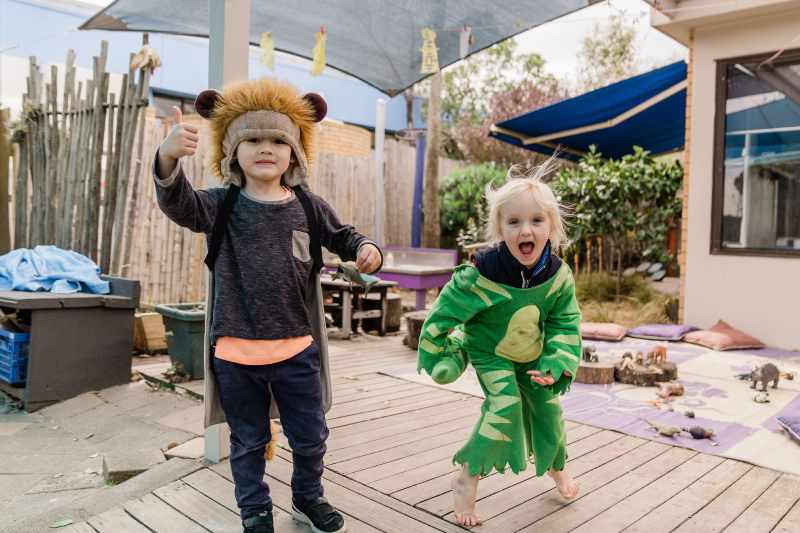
{"x": 377, "y": 41}
{"x": 648, "y": 110}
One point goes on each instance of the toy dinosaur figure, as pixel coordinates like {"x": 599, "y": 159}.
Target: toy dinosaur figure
{"x": 670, "y": 388}
{"x": 663, "y": 429}
{"x": 700, "y": 433}
{"x": 349, "y": 274}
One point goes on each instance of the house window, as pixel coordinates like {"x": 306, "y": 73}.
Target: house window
{"x": 757, "y": 160}
{"x": 163, "y": 104}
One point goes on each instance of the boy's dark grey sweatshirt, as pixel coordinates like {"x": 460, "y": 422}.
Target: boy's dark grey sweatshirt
{"x": 261, "y": 273}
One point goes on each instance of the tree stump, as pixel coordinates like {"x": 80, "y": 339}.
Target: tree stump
{"x": 595, "y": 373}
{"x": 414, "y": 322}
{"x": 670, "y": 371}
{"x": 394, "y": 314}
{"x": 641, "y": 377}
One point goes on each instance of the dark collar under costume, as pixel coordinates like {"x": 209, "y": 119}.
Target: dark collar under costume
{"x": 498, "y": 264}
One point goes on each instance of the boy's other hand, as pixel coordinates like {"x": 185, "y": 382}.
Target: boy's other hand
{"x": 536, "y": 377}
{"x": 369, "y": 259}
{"x": 181, "y": 141}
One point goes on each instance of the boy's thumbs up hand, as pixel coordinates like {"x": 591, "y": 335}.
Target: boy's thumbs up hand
{"x": 182, "y": 138}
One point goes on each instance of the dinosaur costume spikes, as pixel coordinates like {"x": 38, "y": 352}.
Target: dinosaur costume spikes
{"x": 504, "y": 332}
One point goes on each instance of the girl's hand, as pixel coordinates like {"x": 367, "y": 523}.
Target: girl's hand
{"x": 536, "y": 377}
{"x": 181, "y": 141}
{"x": 369, "y": 259}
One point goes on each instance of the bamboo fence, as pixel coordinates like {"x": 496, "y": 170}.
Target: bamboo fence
{"x": 83, "y": 182}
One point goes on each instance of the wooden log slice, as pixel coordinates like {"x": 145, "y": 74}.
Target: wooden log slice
{"x": 670, "y": 371}
{"x": 595, "y": 373}
{"x": 414, "y": 322}
{"x": 640, "y": 377}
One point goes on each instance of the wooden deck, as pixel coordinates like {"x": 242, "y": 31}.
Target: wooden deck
{"x": 388, "y": 468}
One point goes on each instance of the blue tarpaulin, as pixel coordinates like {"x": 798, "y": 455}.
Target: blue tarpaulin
{"x": 648, "y": 110}
{"x": 47, "y": 268}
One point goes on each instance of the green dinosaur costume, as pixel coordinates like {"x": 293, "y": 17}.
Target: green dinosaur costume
{"x": 504, "y": 332}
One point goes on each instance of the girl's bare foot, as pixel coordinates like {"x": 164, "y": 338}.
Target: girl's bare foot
{"x": 465, "y": 490}
{"x": 564, "y": 483}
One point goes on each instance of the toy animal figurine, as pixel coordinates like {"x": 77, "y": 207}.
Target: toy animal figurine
{"x": 760, "y": 396}
{"x": 700, "y": 433}
{"x": 639, "y": 358}
{"x": 627, "y": 361}
{"x": 353, "y": 277}
{"x": 657, "y": 355}
{"x": 654, "y": 369}
{"x": 589, "y": 355}
{"x": 663, "y": 429}
{"x": 673, "y": 388}
{"x": 764, "y": 374}
{"x": 690, "y": 414}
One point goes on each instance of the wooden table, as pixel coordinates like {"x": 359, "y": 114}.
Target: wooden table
{"x": 79, "y": 342}
{"x": 346, "y": 303}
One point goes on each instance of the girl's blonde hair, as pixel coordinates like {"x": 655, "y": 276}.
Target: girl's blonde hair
{"x": 518, "y": 182}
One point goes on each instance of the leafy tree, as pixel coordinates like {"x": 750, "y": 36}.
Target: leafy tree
{"x": 610, "y": 55}
{"x": 461, "y": 197}
{"x": 632, "y": 200}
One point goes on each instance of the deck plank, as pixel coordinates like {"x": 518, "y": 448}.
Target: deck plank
{"x": 80, "y": 527}
{"x": 116, "y": 521}
{"x": 160, "y": 517}
{"x": 201, "y": 508}
{"x": 683, "y": 505}
{"x": 770, "y": 508}
{"x": 790, "y": 522}
{"x": 730, "y": 504}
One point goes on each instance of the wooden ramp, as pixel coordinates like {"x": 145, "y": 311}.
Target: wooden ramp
{"x": 388, "y": 469}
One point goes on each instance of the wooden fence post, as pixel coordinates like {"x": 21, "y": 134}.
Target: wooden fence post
{"x": 5, "y": 156}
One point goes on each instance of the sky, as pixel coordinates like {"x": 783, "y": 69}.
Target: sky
{"x": 558, "y": 41}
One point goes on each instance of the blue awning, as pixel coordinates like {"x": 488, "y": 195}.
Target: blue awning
{"x": 648, "y": 110}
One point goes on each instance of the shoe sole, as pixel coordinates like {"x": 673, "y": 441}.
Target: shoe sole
{"x": 300, "y": 517}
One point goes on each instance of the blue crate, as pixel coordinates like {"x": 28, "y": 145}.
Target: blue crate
{"x": 14, "y": 356}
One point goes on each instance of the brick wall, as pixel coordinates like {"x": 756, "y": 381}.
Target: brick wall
{"x": 687, "y": 163}
{"x": 344, "y": 140}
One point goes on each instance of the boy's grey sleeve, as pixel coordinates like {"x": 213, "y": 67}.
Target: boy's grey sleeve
{"x": 195, "y": 210}
{"x": 338, "y": 238}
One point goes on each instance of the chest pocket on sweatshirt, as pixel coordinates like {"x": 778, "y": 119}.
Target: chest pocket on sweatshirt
{"x": 301, "y": 246}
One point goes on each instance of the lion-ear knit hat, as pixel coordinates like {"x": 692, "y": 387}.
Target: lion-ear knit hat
{"x": 266, "y": 107}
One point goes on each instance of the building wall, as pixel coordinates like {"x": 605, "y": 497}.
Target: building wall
{"x": 759, "y": 295}
{"x": 344, "y": 139}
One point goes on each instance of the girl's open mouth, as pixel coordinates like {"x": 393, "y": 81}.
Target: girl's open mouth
{"x": 526, "y": 248}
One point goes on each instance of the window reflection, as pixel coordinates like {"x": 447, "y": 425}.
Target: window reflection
{"x": 761, "y": 189}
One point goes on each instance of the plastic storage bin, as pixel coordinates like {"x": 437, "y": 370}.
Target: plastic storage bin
{"x": 14, "y": 356}
{"x": 185, "y": 327}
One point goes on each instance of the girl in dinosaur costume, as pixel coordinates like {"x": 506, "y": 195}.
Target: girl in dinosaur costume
{"x": 517, "y": 322}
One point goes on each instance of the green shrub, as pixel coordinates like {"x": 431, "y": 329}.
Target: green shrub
{"x": 461, "y": 196}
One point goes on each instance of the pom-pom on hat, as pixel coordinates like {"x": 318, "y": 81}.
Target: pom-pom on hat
{"x": 266, "y": 107}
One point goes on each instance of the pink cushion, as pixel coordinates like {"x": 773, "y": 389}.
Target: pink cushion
{"x": 602, "y": 332}
{"x": 723, "y": 337}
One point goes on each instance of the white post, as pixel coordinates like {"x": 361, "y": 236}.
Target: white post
{"x": 380, "y": 157}
{"x": 228, "y": 59}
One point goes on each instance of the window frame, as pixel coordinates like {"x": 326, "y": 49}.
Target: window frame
{"x": 717, "y": 193}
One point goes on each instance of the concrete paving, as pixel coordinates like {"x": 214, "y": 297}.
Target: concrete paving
{"x": 53, "y": 459}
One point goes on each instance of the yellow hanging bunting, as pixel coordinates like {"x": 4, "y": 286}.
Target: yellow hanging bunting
{"x": 267, "y": 51}
{"x": 319, "y": 53}
{"x": 430, "y": 57}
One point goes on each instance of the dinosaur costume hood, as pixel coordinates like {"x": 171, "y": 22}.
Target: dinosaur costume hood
{"x": 265, "y": 107}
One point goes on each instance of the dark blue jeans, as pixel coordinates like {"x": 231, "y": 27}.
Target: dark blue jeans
{"x": 245, "y": 397}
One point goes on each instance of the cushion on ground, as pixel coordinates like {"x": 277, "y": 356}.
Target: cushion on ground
{"x": 661, "y": 332}
{"x": 602, "y": 332}
{"x": 723, "y": 337}
{"x": 791, "y": 425}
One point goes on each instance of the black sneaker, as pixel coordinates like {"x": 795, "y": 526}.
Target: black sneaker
{"x": 260, "y": 523}
{"x": 318, "y": 514}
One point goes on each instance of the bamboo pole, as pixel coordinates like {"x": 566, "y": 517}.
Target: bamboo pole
{"x": 72, "y": 169}
{"x": 108, "y": 194}
{"x": 124, "y": 166}
{"x": 588, "y": 256}
{"x": 83, "y": 166}
{"x": 144, "y": 77}
{"x": 67, "y": 125}
{"x": 112, "y": 178}
{"x": 21, "y": 195}
{"x": 600, "y": 253}
{"x": 93, "y": 214}
{"x": 51, "y": 144}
